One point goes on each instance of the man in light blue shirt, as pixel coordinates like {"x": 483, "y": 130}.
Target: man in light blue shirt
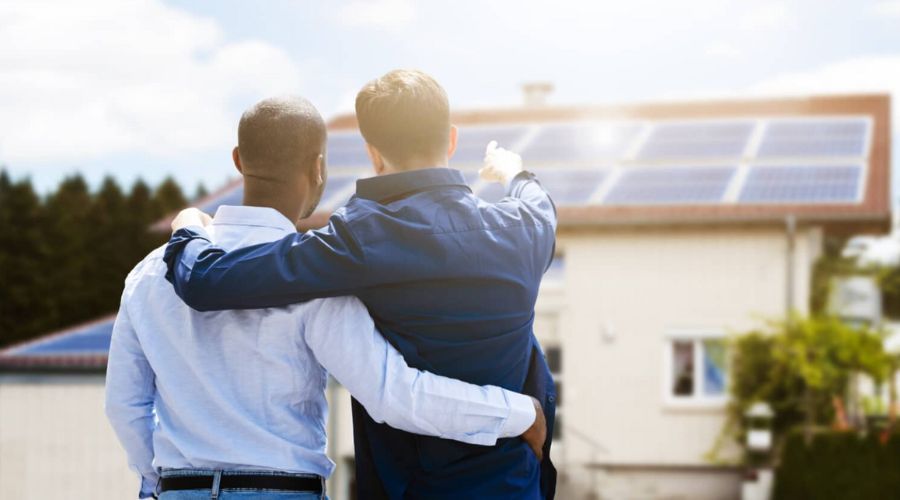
{"x": 210, "y": 404}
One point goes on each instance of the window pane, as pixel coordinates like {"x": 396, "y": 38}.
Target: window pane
{"x": 714, "y": 369}
{"x": 683, "y": 368}
{"x": 558, "y": 393}
{"x": 554, "y": 359}
{"x": 557, "y": 428}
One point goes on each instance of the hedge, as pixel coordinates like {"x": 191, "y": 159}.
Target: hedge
{"x": 838, "y": 466}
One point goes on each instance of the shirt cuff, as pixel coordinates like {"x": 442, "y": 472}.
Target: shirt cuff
{"x": 513, "y": 187}
{"x": 148, "y": 487}
{"x": 521, "y": 415}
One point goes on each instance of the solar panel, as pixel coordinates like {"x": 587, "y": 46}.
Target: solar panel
{"x": 802, "y": 184}
{"x": 234, "y": 196}
{"x": 697, "y": 140}
{"x": 566, "y": 187}
{"x": 814, "y": 137}
{"x": 670, "y": 185}
{"x": 473, "y": 141}
{"x": 91, "y": 339}
{"x": 337, "y": 191}
{"x": 346, "y": 150}
{"x": 571, "y": 186}
{"x": 580, "y": 142}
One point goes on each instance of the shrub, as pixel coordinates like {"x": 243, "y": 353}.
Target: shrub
{"x": 838, "y": 466}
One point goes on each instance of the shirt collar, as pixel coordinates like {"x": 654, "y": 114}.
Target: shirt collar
{"x": 241, "y": 215}
{"x": 393, "y": 186}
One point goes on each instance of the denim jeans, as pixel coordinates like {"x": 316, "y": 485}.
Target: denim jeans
{"x": 236, "y": 494}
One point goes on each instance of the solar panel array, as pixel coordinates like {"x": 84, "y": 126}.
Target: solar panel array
{"x": 784, "y": 160}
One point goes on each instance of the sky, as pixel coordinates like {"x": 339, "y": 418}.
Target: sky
{"x": 149, "y": 88}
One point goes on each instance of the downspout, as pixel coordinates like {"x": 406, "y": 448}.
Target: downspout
{"x": 790, "y": 226}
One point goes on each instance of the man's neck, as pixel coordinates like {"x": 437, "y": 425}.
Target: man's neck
{"x": 288, "y": 204}
{"x": 415, "y": 165}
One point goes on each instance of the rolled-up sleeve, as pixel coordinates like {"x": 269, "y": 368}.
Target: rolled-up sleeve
{"x": 344, "y": 340}
{"x": 302, "y": 266}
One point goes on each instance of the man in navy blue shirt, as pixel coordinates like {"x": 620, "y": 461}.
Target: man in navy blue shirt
{"x": 450, "y": 280}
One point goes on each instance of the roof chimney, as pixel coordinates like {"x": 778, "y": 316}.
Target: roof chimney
{"x": 535, "y": 93}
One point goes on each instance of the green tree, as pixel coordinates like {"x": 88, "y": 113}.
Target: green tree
{"x": 111, "y": 237}
{"x": 798, "y": 367}
{"x": 201, "y": 192}
{"x": 169, "y": 196}
{"x": 142, "y": 211}
{"x": 68, "y": 265}
{"x": 26, "y": 307}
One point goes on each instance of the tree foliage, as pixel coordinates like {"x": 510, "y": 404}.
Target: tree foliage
{"x": 65, "y": 256}
{"x": 798, "y": 367}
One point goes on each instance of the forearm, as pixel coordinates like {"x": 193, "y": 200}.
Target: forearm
{"x": 297, "y": 268}
{"x": 346, "y": 343}
{"x": 425, "y": 403}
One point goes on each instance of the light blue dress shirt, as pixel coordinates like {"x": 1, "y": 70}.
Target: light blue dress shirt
{"x": 246, "y": 389}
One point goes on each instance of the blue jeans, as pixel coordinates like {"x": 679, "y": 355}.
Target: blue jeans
{"x": 236, "y": 494}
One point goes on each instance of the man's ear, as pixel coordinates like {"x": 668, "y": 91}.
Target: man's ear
{"x": 236, "y": 158}
{"x": 375, "y": 158}
{"x": 454, "y": 137}
{"x": 320, "y": 171}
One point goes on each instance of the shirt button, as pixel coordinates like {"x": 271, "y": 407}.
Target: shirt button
{"x": 551, "y": 398}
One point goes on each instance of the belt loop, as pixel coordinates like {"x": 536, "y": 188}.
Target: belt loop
{"x": 217, "y": 480}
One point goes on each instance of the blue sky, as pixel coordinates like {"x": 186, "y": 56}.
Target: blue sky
{"x": 150, "y": 87}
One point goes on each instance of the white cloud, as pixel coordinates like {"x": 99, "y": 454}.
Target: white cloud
{"x": 862, "y": 74}
{"x": 886, "y": 8}
{"x": 767, "y": 17}
{"x": 380, "y": 14}
{"x": 722, "y": 50}
{"x": 82, "y": 79}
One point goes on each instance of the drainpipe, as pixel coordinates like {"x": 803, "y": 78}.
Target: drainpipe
{"x": 790, "y": 226}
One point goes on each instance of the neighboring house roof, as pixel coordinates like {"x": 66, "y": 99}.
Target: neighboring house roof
{"x": 82, "y": 347}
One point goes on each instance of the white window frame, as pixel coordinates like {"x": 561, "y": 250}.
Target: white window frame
{"x": 698, "y": 399}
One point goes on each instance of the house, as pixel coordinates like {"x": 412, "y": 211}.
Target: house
{"x": 679, "y": 224}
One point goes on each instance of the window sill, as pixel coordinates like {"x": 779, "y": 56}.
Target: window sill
{"x": 691, "y": 405}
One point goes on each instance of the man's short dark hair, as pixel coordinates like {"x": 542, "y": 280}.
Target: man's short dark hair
{"x": 279, "y": 135}
{"x": 405, "y": 115}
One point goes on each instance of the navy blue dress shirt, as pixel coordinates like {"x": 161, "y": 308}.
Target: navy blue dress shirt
{"x": 450, "y": 280}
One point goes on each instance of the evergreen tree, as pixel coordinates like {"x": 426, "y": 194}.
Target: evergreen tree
{"x": 169, "y": 196}
{"x": 201, "y": 192}
{"x": 142, "y": 212}
{"x": 64, "y": 260}
{"x": 110, "y": 236}
{"x": 71, "y": 250}
{"x": 26, "y": 307}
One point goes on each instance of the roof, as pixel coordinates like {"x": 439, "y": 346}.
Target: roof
{"x": 824, "y": 160}
{"x": 83, "y": 347}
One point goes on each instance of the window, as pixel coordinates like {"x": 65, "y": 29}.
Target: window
{"x": 696, "y": 370}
